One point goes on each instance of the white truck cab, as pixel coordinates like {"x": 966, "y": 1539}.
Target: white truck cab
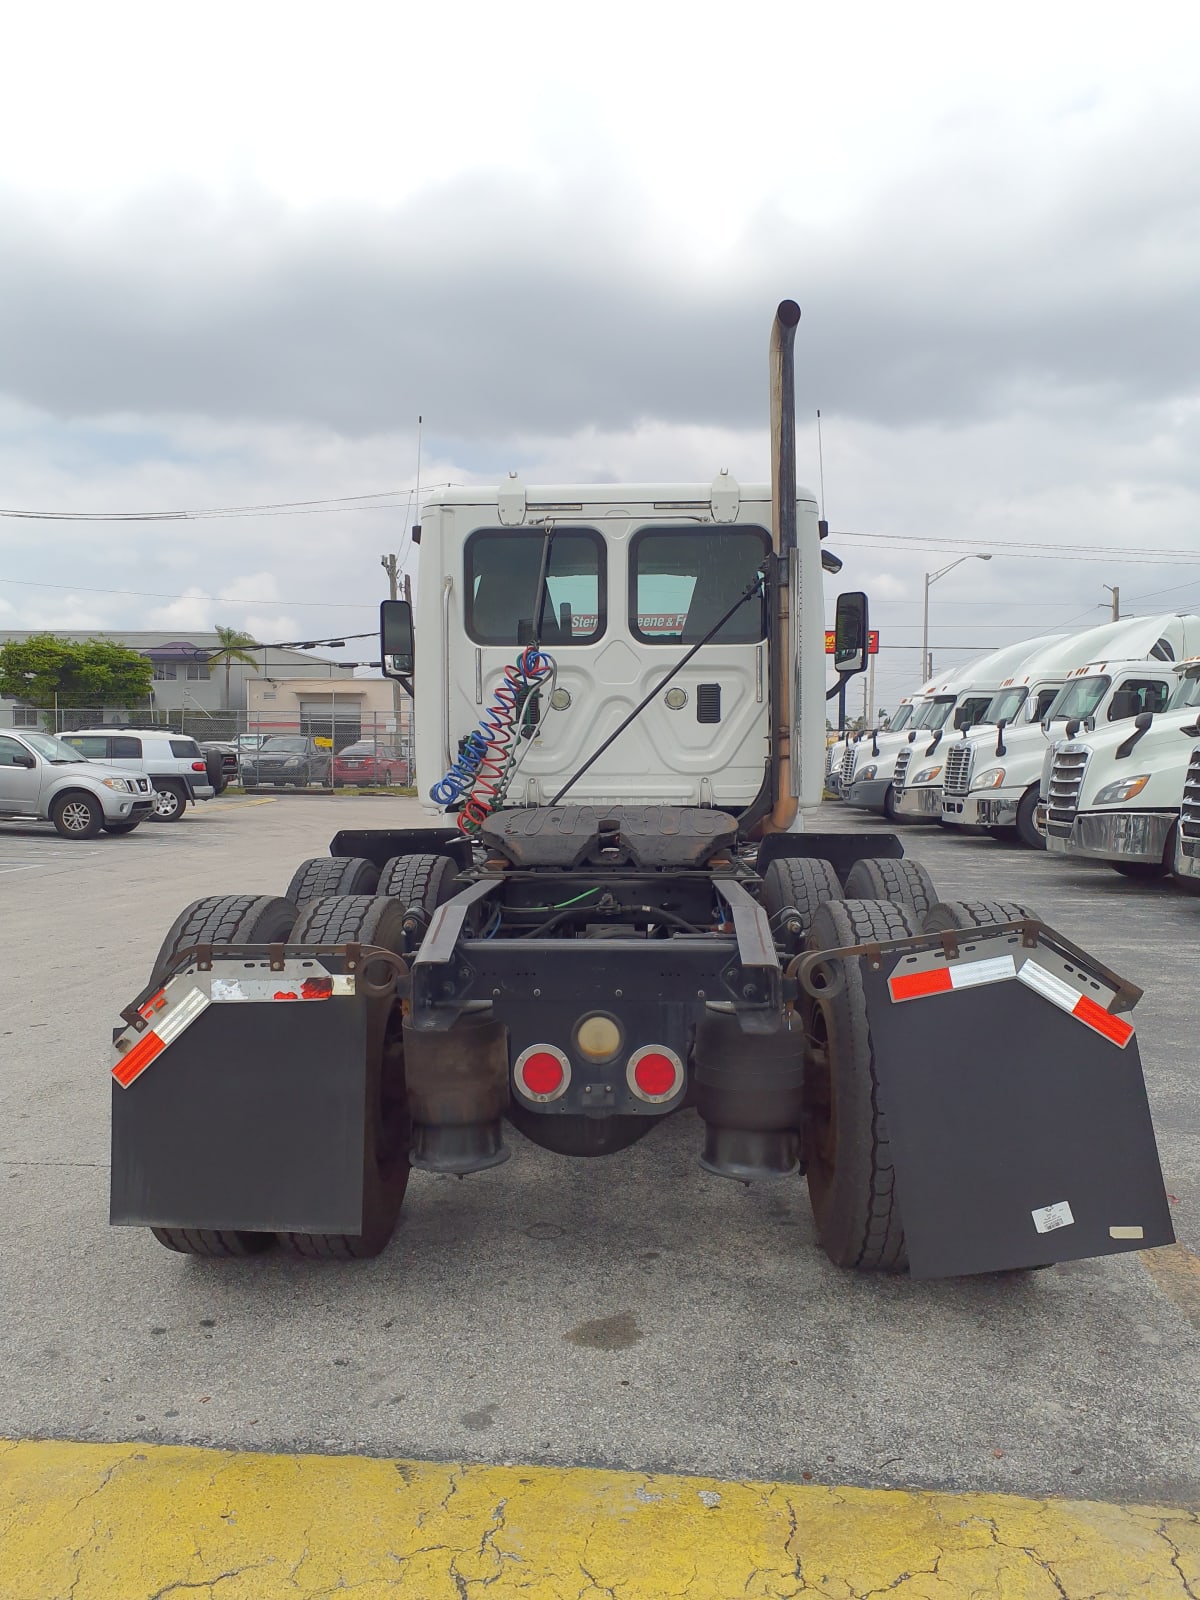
{"x": 1187, "y": 839}
{"x": 1104, "y": 675}
{"x": 847, "y": 754}
{"x": 918, "y": 779}
{"x": 1117, "y": 794}
{"x": 635, "y": 574}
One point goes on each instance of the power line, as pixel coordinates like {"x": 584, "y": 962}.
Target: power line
{"x": 275, "y": 508}
{"x": 1026, "y": 550}
{"x": 217, "y": 599}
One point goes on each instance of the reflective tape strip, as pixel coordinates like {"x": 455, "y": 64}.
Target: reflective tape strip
{"x": 169, "y": 1026}
{"x": 231, "y": 991}
{"x": 1079, "y": 1006}
{"x": 941, "y": 980}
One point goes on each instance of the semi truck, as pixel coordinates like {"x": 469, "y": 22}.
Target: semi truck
{"x": 875, "y": 780}
{"x": 1119, "y": 793}
{"x": 610, "y": 915}
{"x": 1105, "y": 675}
{"x": 917, "y": 777}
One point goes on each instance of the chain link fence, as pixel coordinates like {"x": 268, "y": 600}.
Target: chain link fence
{"x": 365, "y": 748}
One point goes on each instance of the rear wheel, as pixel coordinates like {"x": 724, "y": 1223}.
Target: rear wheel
{"x": 905, "y": 883}
{"x": 77, "y": 816}
{"x": 845, "y": 1142}
{"x": 1027, "y": 828}
{"x": 368, "y": 920}
{"x": 948, "y": 915}
{"x": 419, "y": 884}
{"x": 170, "y": 800}
{"x": 213, "y": 1242}
{"x": 324, "y": 876}
{"x": 221, "y": 919}
{"x": 792, "y": 890}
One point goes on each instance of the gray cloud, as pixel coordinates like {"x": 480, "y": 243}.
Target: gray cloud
{"x": 499, "y": 309}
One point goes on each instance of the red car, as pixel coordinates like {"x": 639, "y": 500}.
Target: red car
{"x": 369, "y": 761}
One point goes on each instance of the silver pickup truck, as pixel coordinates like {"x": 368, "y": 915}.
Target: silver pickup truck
{"x": 43, "y": 778}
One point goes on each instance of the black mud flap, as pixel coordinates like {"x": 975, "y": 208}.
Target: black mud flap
{"x": 1015, "y": 1103}
{"x": 253, "y": 1117}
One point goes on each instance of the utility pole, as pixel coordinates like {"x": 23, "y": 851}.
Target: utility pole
{"x": 390, "y": 565}
{"x": 1116, "y": 594}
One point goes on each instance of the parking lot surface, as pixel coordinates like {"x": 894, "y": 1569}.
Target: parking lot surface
{"x": 628, "y": 1313}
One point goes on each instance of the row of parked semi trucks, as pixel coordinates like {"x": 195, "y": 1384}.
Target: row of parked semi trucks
{"x": 1085, "y": 744}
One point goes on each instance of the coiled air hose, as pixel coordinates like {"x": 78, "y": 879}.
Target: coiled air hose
{"x": 490, "y": 755}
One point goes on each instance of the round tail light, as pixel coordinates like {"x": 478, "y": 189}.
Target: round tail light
{"x": 542, "y": 1072}
{"x": 654, "y": 1073}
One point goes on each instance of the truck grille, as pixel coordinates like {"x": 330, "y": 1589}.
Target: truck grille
{"x": 902, "y": 761}
{"x": 1189, "y": 815}
{"x": 828, "y": 759}
{"x": 849, "y": 760}
{"x": 1066, "y": 784}
{"x": 956, "y": 778}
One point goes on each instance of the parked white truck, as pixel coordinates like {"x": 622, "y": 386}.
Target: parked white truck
{"x": 1117, "y": 795}
{"x": 868, "y": 780}
{"x": 845, "y": 756}
{"x": 918, "y": 777}
{"x": 1103, "y": 675}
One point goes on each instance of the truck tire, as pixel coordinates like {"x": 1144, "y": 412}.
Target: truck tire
{"x": 845, "y": 1143}
{"x": 954, "y": 914}
{"x": 889, "y": 803}
{"x": 324, "y": 876}
{"x": 225, "y": 919}
{"x": 221, "y": 919}
{"x": 170, "y": 800}
{"x": 367, "y": 919}
{"x": 419, "y": 884}
{"x": 796, "y": 885}
{"x": 1027, "y": 829}
{"x": 77, "y": 815}
{"x": 213, "y": 1242}
{"x": 904, "y": 883}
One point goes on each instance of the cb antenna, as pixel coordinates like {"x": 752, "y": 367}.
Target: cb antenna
{"x": 821, "y": 464}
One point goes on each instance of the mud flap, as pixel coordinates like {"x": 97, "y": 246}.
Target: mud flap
{"x": 1015, "y": 1104}
{"x": 253, "y": 1117}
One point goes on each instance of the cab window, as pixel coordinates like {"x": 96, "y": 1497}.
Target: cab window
{"x": 91, "y": 746}
{"x": 125, "y": 748}
{"x": 1136, "y": 695}
{"x": 683, "y": 580}
{"x": 12, "y": 754}
{"x": 502, "y": 570}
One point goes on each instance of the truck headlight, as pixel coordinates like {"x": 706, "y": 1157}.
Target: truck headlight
{"x": 1115, "y": 794}
{"x": 116, "y": 783}
{"x": 292, "y": 761}
{"x": 926, "y": 775}
{"x": 991, "y": 779}
{"x": 867, "y": 774}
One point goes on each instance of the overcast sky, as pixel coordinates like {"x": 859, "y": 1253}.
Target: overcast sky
{"x": 242, "y": 248}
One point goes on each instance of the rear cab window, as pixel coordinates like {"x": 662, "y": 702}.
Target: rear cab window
{"x": 126, "y": 748}
{"x": 502, "y": 567}
{"x": 186, "y": 750}
{"x": 683, "y": 580}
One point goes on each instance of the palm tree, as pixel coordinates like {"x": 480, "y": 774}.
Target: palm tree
{"x": 233, "y": 646}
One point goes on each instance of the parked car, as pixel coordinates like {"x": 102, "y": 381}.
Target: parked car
{"x": 370, "y": 761}
{"x": 175, "y": 763}
{"x": 222, "y": 758}
{"x": 287, "y": 760}
{"x": 43, "y": 778}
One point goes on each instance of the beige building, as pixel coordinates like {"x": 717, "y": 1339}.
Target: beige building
{"x": 344, "y": 709}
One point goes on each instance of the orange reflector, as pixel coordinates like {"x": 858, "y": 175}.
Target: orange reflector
{"x": 135, "y": 1060}
{"x": 913, "y": 985}
{"x": 1114, "y": 1028}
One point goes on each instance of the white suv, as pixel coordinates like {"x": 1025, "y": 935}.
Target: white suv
{"x": 42, "y": 777}
{"x": 176, "y": 763}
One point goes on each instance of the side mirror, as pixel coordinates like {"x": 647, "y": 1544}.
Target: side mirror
{"x": 396, "y": 638}
{"x": 850, "y": 634}
{"x": 23, "y": 760}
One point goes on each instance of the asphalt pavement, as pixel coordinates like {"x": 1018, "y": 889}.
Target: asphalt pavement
{"x": 630, "y": 1312}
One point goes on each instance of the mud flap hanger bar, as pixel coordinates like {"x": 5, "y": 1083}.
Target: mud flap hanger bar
{"x": 931, "y": 953}
{"x": 356, "y": 961}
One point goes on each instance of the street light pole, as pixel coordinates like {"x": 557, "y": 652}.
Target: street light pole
{"x": 932, "y": 577}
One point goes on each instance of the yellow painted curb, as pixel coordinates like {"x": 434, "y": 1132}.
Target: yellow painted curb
{"x": 144, "y": 1522}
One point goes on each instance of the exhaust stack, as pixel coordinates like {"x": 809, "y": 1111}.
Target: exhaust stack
{"x": 783, "y": 534}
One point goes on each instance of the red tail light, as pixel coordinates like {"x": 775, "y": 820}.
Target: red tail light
{"x": 542, "y": 1072}
{"x": 654, "y": 1073}
{"x": 199, "y": 766}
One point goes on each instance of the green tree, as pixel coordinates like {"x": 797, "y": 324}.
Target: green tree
{"x": 234, "y": 646}
{"x": 43, "y": 671}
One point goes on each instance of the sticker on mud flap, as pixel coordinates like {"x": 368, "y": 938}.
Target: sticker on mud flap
{"x": 1047, "y": 1218}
